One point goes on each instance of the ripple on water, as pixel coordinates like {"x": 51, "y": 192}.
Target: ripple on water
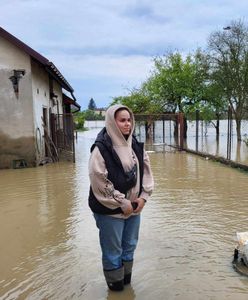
{"x": 49, "y": 242}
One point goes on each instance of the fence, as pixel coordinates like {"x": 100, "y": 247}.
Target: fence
{"x": 157, "y": 128}
{"x": 202, "y": 137}
{"x": 165, "y": 132}
{"x": 62, "y": 133}
{"x": 221, "y": 143}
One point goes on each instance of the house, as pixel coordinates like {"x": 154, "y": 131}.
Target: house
{"x": 36, "y": 105}
{"x": 100, "y": 111}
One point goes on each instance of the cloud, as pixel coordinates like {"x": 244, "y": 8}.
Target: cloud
{"x": 126, "y": 68}
{"x": 114, "y": 41}
{"x": 145, "y": 13}
{"x": 104, "y": 76}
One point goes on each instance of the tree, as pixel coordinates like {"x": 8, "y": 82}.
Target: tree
{"x": 214, "y": 105}
{"x": 91, "y": 115}
{"x": 79, "y": 119}
{"x": 207, "y": 93}
{"x": 228, "y": 52}
{"x": 138, "y": 100}
{"x": 178, "y": 83}
{"x": 92, "y": 104}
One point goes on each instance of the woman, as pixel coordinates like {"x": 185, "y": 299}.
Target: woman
{"x": 121, "y": 183}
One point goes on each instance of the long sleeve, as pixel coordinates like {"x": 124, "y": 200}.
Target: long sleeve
{"x": 103, "y": 188}
{"x": 148, "y": 182}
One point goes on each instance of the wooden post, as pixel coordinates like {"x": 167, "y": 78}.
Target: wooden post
{"x": 163, "y": 130}
{"x": 181, "y": 130}
{"x": 197, "y": 129}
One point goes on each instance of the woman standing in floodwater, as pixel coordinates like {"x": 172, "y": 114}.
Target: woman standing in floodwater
{"x": 121, "y": 183}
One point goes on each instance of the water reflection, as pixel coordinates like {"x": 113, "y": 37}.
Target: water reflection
{"x": 128, "y": 293}
{"x": 49, "y": 243}
{"x": 207, "y": 140}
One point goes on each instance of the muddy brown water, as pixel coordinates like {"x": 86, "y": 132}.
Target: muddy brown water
{"x": 49, "y": 243}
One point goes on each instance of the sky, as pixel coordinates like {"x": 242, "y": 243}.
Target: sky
{"x": 105, "y": 48}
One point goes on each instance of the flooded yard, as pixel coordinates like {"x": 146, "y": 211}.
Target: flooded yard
{"x": 49, "y": 242}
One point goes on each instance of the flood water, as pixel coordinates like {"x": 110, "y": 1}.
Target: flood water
{"x": 49, "y": 242}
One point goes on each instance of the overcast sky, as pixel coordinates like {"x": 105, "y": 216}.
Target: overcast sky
{"x": 105, "y": 47}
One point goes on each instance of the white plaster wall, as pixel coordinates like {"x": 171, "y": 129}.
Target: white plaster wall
{"x": 41, "y": 99}
{"x": 20, "y": 117}
{"x": 58, "y": 91}
{"x": 16, "y": 117}
{"x": 41, "y": 94}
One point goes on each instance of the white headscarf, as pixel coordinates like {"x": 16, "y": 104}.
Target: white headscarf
{"x": 121, "y": 145}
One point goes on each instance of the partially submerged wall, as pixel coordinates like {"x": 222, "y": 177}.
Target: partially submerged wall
{"x": 16, "y": 109}
{"x": 14, "y": 149}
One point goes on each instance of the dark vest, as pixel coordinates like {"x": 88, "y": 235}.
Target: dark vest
{"x": 121, "y": 180}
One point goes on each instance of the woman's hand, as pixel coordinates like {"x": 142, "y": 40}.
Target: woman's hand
{"x": 141, "y": 203}
{"x": 127, "y": 208}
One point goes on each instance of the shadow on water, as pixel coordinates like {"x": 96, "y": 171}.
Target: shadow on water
{"x": 49, "y": 243}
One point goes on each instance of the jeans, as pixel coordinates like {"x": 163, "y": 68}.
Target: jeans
{"x": 118, "y": 239}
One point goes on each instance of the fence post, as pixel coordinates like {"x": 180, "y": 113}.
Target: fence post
{"x": 181, "y": 130}
{"x": 197, "y": 113}
{"x": 153, "y": 131}
{"x": 163, "y": 130}
{"x": 229, "y": 134}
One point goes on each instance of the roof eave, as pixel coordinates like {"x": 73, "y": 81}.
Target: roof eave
{"x": 49, "y": 66}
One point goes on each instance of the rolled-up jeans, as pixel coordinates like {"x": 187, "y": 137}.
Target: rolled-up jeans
{"x": 118, "y": 239}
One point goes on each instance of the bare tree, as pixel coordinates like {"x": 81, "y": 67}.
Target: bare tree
{"x": 228, "y": 51}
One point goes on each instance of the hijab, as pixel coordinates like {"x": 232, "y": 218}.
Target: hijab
{"x": 121, "y": 144}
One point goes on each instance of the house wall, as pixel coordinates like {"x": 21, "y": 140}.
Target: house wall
{"x": 16, "y": 112}
{"x": 58, "y": 91}
{"x": 41, "y": 98}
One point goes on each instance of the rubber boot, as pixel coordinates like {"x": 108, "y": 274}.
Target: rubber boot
{"x": 115, "y": 279}
{"x": 128, "y": 265}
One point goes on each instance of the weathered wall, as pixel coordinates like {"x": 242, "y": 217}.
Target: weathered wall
{"x": 16, "y": 112}
{"x": 58, "y": 91}
{"x": 41, "y": 100}
{"x": 16, "y": 149}
{"x": 21, "y": 130}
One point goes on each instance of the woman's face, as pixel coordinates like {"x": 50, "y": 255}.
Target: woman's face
{"x": 123, "y": 121}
